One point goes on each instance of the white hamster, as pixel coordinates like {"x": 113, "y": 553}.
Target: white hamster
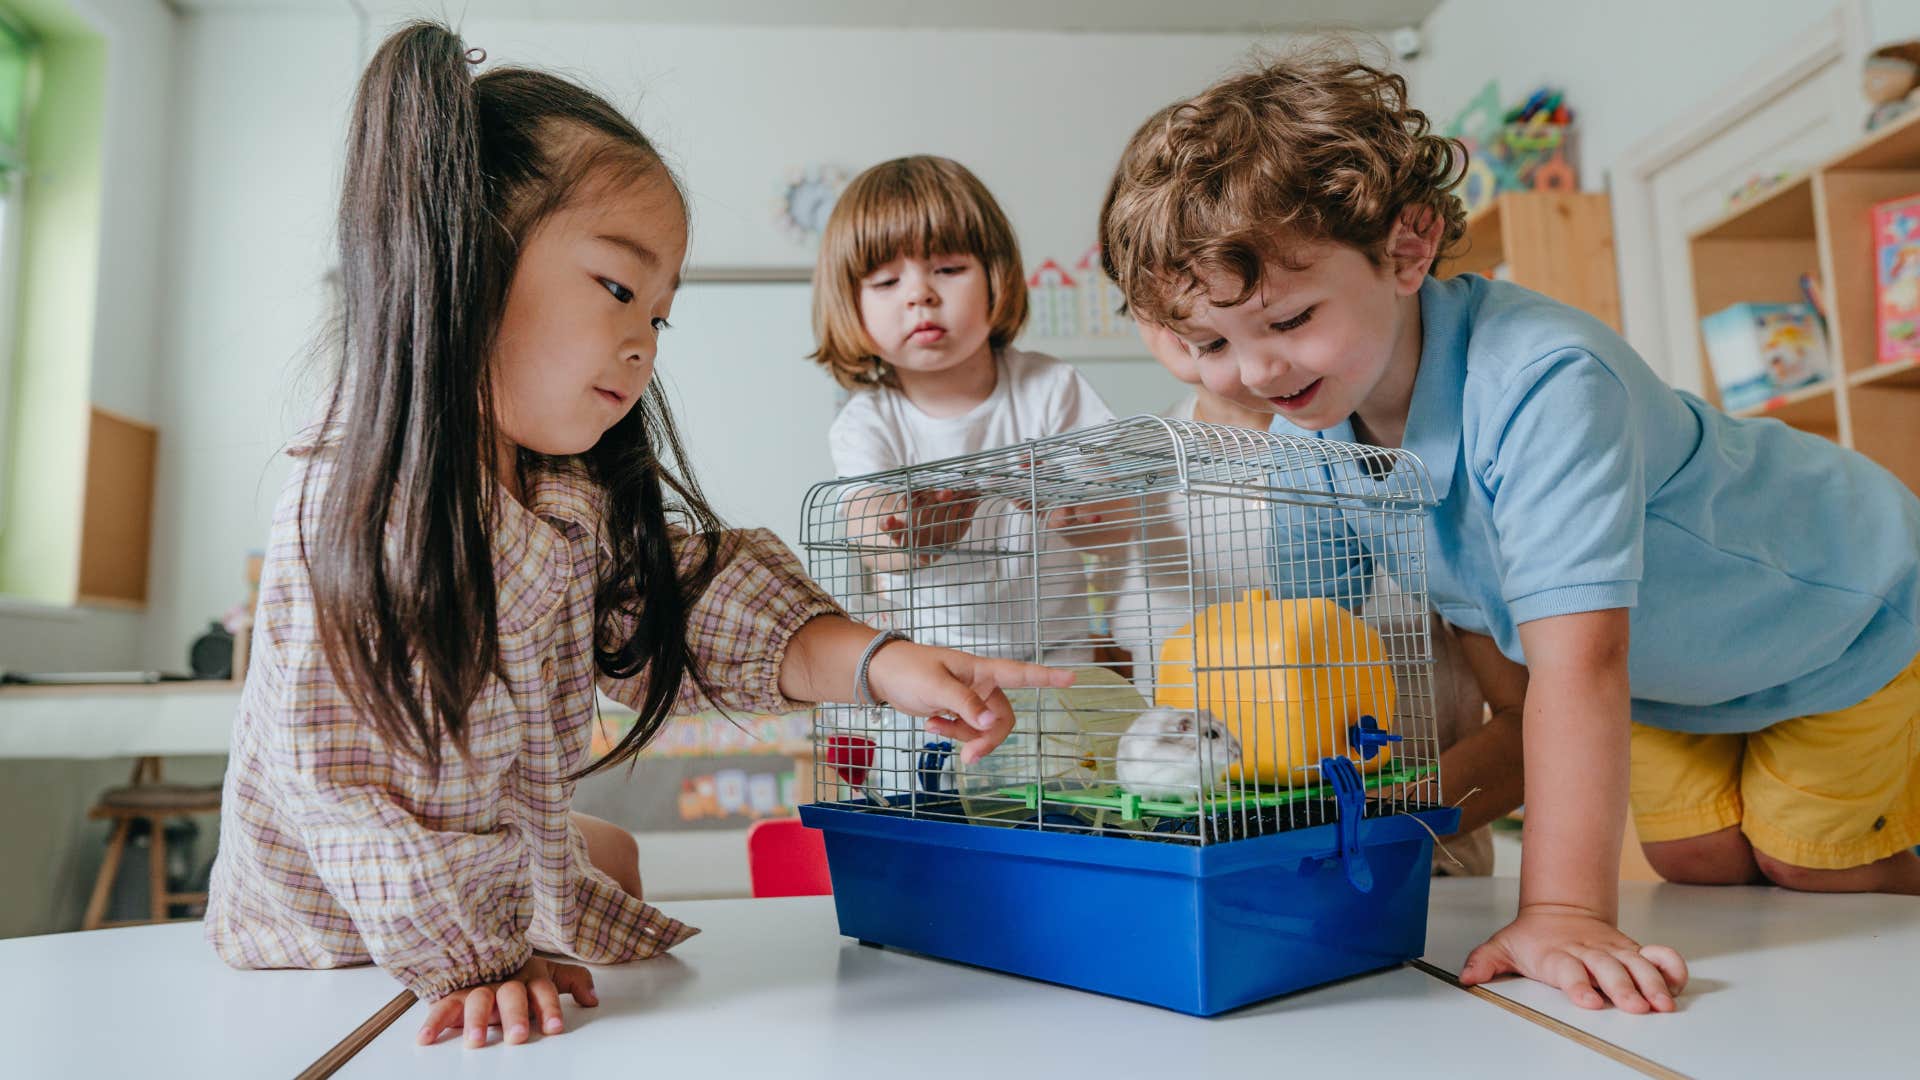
{"x": 1174, "y": 754}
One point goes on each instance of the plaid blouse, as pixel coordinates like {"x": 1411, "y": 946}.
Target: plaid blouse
{"x": 335, "y": 850}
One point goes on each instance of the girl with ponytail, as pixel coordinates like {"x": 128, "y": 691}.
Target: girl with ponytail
{"x": 492, "y": 522}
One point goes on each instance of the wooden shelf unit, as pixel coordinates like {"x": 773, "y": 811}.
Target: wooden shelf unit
{"x": 1819, "y": 223}
{"x": 116, "y": 525}
{"x": 1558, "y": 243}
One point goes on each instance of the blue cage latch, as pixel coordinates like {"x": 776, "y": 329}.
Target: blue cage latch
{"x": 1369, "y": 738}
{"x": 1350, "y": 796}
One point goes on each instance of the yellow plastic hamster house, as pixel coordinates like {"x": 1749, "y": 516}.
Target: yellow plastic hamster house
{"x": 1302, "y": 669}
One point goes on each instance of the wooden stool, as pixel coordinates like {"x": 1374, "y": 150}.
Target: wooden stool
{"x": 145, "y": 798}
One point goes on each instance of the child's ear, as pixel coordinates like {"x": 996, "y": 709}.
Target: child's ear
{"x": 1412, "y": 245}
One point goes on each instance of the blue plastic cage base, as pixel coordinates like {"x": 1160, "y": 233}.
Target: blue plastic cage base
{"x": 1196, "y": 928}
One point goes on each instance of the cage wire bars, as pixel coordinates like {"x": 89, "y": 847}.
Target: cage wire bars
{"x": 1269, "y": 588}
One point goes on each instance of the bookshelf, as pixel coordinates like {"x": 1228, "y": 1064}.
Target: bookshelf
{"x": 1819, "y": 223}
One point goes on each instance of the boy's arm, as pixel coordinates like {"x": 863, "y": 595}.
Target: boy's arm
{"x": 1484, "y": 772}
{"x": 1575, "y": 751}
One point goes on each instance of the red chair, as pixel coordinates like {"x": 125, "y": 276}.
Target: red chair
{"x": 785, "y": 858}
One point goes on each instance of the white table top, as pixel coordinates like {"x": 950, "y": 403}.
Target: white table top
{"x": 154, "y": 1001}
{"x": 770, "y": 988}
{"x": 117, "y": 721}
{"x": 1783, "y": 983}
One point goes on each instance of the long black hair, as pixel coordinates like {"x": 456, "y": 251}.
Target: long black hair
{"x": 446, "y": 176}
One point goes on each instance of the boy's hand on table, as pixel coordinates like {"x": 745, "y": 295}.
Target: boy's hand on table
{"x": 958, "y": 692}
{"x": 530, "y": 994}
{"x": 1578, "y": 952}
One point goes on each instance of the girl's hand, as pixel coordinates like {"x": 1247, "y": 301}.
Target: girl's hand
{"x": 936, "y": 519}
{"x": 1576, "y": 952}
{"x": 533, "y": 991}
{"x": 959, "y": 692}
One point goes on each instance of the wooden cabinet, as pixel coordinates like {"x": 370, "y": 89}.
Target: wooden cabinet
{"x": 1558, "y": 243}
{"x": 117, "y": 517}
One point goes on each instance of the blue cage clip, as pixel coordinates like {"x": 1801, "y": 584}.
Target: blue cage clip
{"x": 933, "y": 768}
{"x": 1350, "y": 795}
{"x": 1367, "y": 737}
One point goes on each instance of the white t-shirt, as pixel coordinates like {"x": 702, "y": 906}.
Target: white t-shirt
{"x": 1200, "y": 549}
{"x": 1034, "y": 396}
{"x": 981, "y": 595}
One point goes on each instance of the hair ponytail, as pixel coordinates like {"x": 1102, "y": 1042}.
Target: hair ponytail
{"x": 446, "y": 175}
{"x": 416, "y": 246}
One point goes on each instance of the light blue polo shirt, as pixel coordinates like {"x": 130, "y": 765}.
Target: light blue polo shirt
{"x": 1771, "y": 574}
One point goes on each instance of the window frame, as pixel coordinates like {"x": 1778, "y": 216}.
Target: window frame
{"x": 13, "y": 191}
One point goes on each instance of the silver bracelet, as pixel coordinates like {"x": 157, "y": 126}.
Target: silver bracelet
{"x": 863, "y": 693}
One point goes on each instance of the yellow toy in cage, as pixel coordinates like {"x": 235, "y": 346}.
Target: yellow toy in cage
{"x": 1288, "y": 677}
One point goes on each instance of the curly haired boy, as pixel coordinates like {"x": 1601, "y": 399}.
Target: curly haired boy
{"x": 1730, "y": 606}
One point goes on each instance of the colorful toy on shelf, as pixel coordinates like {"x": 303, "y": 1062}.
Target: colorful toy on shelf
{"x": 1891, "y": 80}
{"x": 1896, "y": 262}
{"x": 1289, "y": 678}
{"x": 1529, "y": 147}
{"x": 1816, "y": 295}
{"x": 1756, "y": 187}
{"x": 1479, "y": 186}
{"x": 1761, "y": 351}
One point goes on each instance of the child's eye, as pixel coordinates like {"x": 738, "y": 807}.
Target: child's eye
{"x": 882, "y": 283}
{"x": 1294, "y": 323}
{"x": 1211, "y": 347}
{"x": 620, "y": 292}
{"x": 661, "y": 325}
{"x": 956, "y": 268}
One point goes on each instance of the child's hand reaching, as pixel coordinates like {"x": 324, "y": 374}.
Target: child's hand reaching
{"x": 532, "y": 992}
{"x": 1095, "y": 524}
{"x": 936, "y": 519}
{"x": 1578, "y": 952}
{"x": 958, "y": 692}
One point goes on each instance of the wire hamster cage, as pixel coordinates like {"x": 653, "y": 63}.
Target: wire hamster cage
{"x": 1237, "y": 801}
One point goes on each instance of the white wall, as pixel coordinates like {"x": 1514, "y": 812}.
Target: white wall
{"x": 1627, "y": 66}
{"x": 259, "y": 122}
{"x": 261, "y": 102}
{"x": 134, "y": 156}
{"x": 36, "y": 637}
{"x": 1040, "y": 117}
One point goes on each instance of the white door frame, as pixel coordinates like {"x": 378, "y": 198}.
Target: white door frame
{"x": 1646, "y": 285}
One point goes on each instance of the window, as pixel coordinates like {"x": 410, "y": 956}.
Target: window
{"x": 16, "y": 56}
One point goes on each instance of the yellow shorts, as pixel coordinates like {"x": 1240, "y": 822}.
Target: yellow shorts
{"x": 1824, "y": 792}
